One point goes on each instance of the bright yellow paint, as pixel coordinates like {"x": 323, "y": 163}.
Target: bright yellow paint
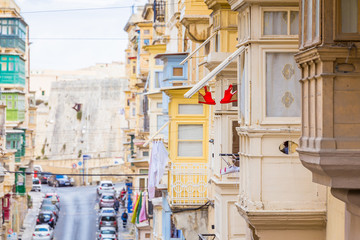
{"x": 176, "y": 98}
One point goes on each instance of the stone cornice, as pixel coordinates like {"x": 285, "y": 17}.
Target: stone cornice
{"x": 295, "y": 220}
{"x": 333, "y": 168}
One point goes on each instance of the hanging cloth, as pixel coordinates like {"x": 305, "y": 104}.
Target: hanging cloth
{"x": 133, "y": 217}
{"x": 139, "y": 208}
{"x": 229, "y": 96}
{"x": 143, "y": 215}
{"x": 136, "y": 198}
{"x": 152, "y": 170}
{"x": 163, "y": 158}
{"x": 206, "y": 99}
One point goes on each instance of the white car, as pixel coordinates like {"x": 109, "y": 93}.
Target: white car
{"x": 36, "y": 185}
{"x": 106, "y": 232}
{"x": 106, "y": 210}
{"x": 105, "y": 187}
{"x": 43, "y": 232}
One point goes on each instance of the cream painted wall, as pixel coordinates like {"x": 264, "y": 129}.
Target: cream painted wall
{"x": 335, "y": 229}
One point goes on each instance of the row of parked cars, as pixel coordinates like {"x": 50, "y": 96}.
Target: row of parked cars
{"x": 56, "y": 180}
{"x": 108, "y": 224}
{"x": 51, "y": 180}
{"x": 47, "y": 218}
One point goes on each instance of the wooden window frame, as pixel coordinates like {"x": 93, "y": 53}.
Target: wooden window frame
{"x": 279, "y": 9}
{"x": 338, "y": 35}
{"x": 304, "y": 43}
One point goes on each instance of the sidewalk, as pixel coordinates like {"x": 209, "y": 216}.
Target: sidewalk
{"x": 128, "y": 232}
{"x": 30, "y": 218}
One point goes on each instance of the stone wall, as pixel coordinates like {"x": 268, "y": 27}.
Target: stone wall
{"x": 95, "y": 130}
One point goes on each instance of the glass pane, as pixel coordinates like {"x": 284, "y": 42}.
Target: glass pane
{"x": 11, "y": 66}
{"x": 178, "y": 71}
{"x": 159, "y": 105}
{"x": 3, "y": 66}
{"x": 349, "y": 15}
{"x": 294, "y": 22}
{"x": 190, "y": 149}
{"x": 190, "y": 132}
{"x": 275, "y": 23}
{"x": 157, "y": 79}
{"x": 282, "y": 85}
{"x": 317, "y": 18}
{"x": 309, "y": 21}
{"x": 4, "y": 30}
{"x": 190, "y": 109}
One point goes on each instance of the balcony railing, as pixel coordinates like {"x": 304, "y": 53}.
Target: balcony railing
{"x": 189, "y": 184}
{"x": 12, "y": 42}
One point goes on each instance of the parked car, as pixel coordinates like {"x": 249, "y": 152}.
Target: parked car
{"x": 48, "y": 201}
{"x": 109, "y": 237}
{"x": 44, "y": 177}
{"x": 105, "y": 187}
{"x": 51, "y": 208}
{"x": 43, "y": 232}
{"x": 36, "y": 185}
{"x": 106, "y": 210}
{"x": 107, "y": 200}
{"x": 106, "y": 232}
{"x": 46, "y": 217}
{"x": 108, "y": 221}
{"x": 50, "y": 195}
{"x": 60, "y": 180}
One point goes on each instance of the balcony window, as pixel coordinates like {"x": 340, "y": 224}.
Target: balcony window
{"x": 177, "y": 71}
{"x": 347, "y": 20}
{"x": 146, "y": 42}
{"x": 13, "y": 32}
{"x": 310, "y": 22}
{"x": 158, "y": 78}
{"x": 282, "y": 85}
{"x": 280, "y": 22}
{"x": 193, "y": 109}
{"x": 190, "y": 140}
{"x": 9, "y": 104}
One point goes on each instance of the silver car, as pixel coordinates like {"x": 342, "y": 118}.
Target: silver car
{"x": 108, "y": 221}
{"x": 105, "y": 187}
{"x": 43, "y": 232}
{"x": 107, "y": 200}
{"x": 106, "y": 232}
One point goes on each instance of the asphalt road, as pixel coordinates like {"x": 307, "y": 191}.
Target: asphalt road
{"x": 78, "y": 215}
{"x": 78, "y": 212}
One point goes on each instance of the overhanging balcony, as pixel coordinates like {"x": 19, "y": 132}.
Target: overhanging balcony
{"x": 188, "y": 184}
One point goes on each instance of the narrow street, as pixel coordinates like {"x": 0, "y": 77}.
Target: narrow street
{"x": 78, "y": 215}
{"x": 78, "y": 212}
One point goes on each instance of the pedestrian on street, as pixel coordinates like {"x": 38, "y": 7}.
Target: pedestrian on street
{"x": 124, "y": 218}
{"x": 116, "y": 205}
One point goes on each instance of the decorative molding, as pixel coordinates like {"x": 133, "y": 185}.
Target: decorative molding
{"x": 283, "y": 220}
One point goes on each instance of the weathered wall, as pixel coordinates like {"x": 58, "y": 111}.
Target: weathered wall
{"x": 191, "y": 223}
{"x": 95, "y": 130}
{"x": 58, "y": 167}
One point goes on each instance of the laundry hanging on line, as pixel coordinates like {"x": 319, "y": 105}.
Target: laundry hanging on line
{"x": 158, "y": 160}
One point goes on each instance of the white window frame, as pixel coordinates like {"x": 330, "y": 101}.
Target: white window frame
{"x": 273, "y": 49}
{"x": 248, "y": 77}
{"x": 279, "y": 9}
{"x": 190, "y": 158}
